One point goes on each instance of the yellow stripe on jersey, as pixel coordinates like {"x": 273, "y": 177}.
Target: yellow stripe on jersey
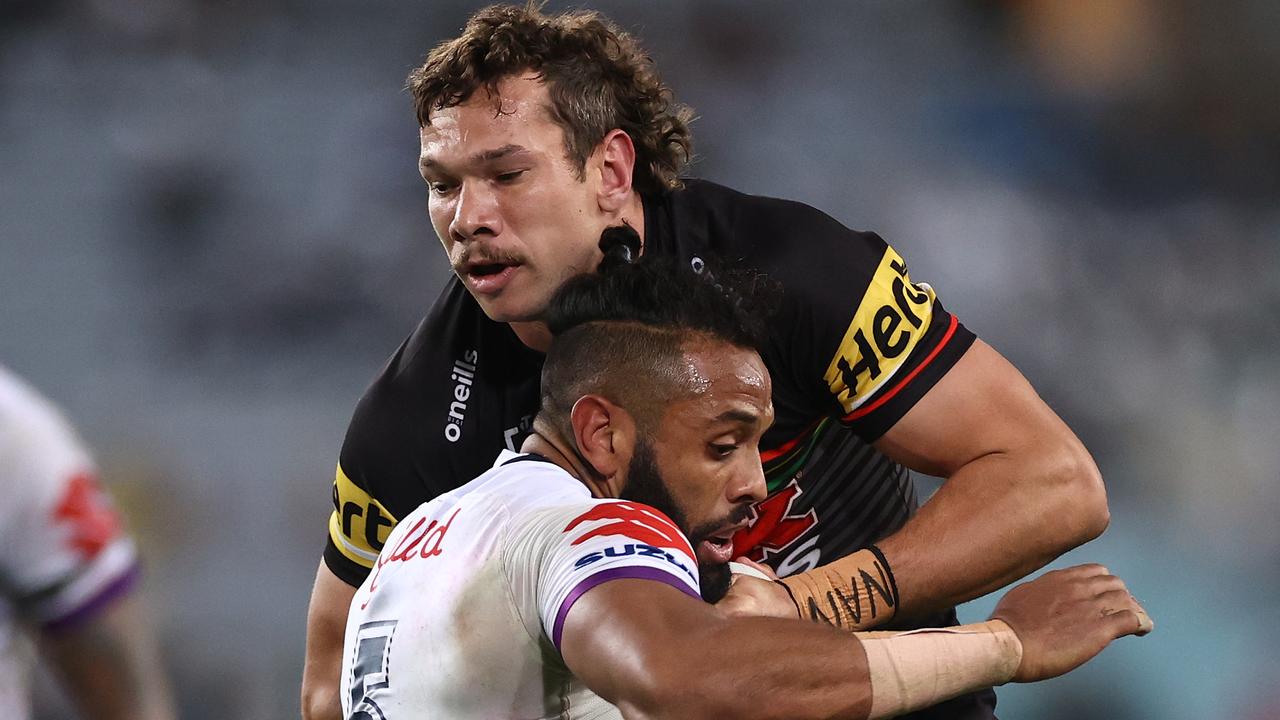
{"x": 359, "y": 524}
{"x": 892, "y": 317}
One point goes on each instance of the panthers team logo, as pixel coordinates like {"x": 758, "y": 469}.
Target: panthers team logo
{"x": 776, "y": 528}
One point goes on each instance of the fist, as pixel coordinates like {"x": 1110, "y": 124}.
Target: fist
{"x": 1065, "y": 617}
{"x": 754, "y": 590}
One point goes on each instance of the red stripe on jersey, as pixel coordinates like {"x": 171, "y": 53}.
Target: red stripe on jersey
{"x": 788, "y": 446}
{"x": 637, "y": 522}
{"x": 88, "y": 514}
{"x": 867, "y": 409}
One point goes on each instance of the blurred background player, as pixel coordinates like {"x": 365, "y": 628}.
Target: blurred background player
{"x": 571, "y": 575}
{"x": 68, "y": 574}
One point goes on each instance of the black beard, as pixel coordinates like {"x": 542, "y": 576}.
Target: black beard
{"x": 646, "y": 485}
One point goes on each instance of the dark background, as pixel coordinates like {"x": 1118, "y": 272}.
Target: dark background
{"x": 212, "y": 234}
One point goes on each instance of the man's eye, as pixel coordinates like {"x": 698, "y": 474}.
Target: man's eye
{"x": 507, "y": 177}
{"x": 441, "y": 188}
{"x": 723, "y": 449}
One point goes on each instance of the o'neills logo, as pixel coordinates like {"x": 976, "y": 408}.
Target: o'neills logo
{"x": 464, "y": 372}
{"x": 420, "y": 542}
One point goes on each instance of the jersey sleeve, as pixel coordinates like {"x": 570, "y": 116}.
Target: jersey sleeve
{"x": 65, "y": 554}
{"x": 562, "y": 553}
{"x": 432, "y": 420}
{"x": 379, "y": 478}
{"x": 862, "y": 339}
{"x": 361, "y": 521}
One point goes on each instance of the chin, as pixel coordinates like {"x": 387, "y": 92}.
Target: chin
{"x": 714, "y": 579}
{"x": 508, "y": 311}
{"x": 516, "y": 303}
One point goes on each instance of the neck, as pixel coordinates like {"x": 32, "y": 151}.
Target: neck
{"x": 545, "y": 441}
{"x": 633, "y": 215}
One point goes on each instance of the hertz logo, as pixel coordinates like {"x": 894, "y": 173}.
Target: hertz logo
{"x": 359, "y": 525}
{"x": 892, "y": 317}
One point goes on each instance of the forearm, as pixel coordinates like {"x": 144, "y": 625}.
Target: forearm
{"x": 326, "y": 621}
{"x": 721, "y": 671}
{"x": 995, "y": 520}
{"x": 1021, "y": 488}
{"x": 111, "y": 666}
{"x": 823, "y": 675}
{"x": 656, "y": 654}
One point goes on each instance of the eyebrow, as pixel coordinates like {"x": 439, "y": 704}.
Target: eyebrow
{"x": 498, "y": 153}
{"x": 739, "y": 416}
{"x": 483, "y": 156}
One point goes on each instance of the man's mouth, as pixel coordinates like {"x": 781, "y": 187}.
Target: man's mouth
{"x": 483, "y": 269}
{"x": 488, "y": 277}
{"x": 717, "y": 548}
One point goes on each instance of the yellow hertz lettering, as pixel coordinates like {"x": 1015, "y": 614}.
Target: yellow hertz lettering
{"x": 359, "y": 525}
{"x": 892, "y": 317}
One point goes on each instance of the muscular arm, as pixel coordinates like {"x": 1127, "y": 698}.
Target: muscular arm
{"x": 110, "y": 666}
{"x": 326, "y": 621}
{"x": 657, "y": 653}
{"x": 1020, "y": 488}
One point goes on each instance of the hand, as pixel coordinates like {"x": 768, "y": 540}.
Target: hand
{"x": 1065, "y": 617}
{"x": 752, "y": 596}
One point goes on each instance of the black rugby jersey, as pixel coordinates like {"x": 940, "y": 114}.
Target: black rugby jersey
{"x": 854, "y": 345}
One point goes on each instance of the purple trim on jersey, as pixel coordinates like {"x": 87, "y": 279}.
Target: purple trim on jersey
{"x": 634, "y": 572}
{"x": 96, "y": 603}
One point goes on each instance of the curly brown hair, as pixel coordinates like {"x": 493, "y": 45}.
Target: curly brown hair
{"x": 597, "y": 77}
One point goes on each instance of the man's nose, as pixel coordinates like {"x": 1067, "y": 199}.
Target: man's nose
{"x": 749, "y": 485}
{"x": 475, "y": 212}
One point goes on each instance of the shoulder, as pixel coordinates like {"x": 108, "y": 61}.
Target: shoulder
{"x": 785, "y": 238}
{"x": 581, "y": 536}
{"x": 37, "y": 444}
{"x": 23, "y": 407}
{"x": 547, "y": 505}
{"x": 526, "y": 486}
{"x": 452, "y": 325}
{"x": 414, "y": 380}
{"x": 737, "y": 210}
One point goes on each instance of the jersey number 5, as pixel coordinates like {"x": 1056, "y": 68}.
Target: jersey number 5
{"x": 369, "y": 671}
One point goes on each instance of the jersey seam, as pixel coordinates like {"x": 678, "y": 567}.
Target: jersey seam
{"x": 506, "y": 572}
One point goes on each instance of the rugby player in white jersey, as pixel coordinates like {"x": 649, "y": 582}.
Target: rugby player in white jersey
{"x": 68, "y": 573}
{"x": 569, "y": 580}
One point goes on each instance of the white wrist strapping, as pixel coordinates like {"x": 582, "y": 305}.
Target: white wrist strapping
{"x": 917, "y": 669}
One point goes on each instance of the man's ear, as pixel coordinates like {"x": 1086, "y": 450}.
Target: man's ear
{"x": 617, "y": 164}
{"x": 605, "y": 434}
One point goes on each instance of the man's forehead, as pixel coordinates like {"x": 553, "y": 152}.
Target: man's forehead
{"x": 714, "y": 364}
{"x": 460, "y": 148}
{"x": 720, "y": 409}
{"x": 516, "y": 101}
{"x": 725, "y": 383}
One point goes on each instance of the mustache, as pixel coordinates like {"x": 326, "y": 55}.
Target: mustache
{"x": 741, "y": 513}
{"x": 479, "y": 255}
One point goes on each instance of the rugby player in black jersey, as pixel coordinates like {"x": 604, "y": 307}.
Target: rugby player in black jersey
{"x": 537, "y": 133}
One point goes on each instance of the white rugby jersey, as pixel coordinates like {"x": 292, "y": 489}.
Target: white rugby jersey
{"x": 63, "y": 553}
{"x": 462, "y": 613}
